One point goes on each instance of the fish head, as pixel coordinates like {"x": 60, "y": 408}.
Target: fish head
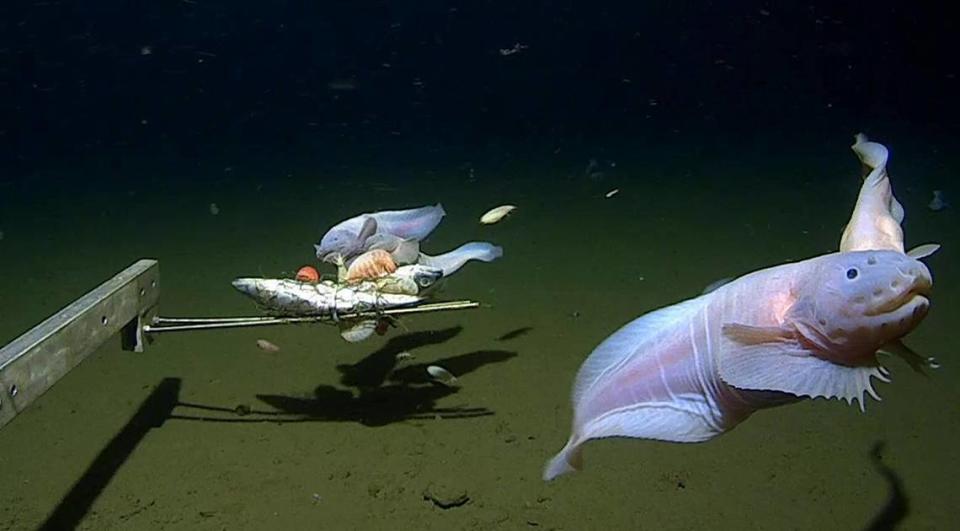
{"x": 248, "y": 286}
{"x": 343, "y": 244}
{"x": 337, "y": 244}
{"x": 426, "y": 276}
{"x": 856, "y": 302}
{"x": 421, "y": 276}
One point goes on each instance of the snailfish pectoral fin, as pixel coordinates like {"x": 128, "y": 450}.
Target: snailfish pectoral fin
{"x": 368, "y": 229}
{"x": 784, "y": 365}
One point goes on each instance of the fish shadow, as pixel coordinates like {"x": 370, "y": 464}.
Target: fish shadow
{"x": 380, "y": 389}
{"x": 897, "y": 506}
{"x": 372, "y": 407}
{"x": 373, "y": 370}
{"x": 458, "y": 365}
{"x": 513, "y": 334}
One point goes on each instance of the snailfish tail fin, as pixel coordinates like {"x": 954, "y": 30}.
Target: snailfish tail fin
{"x": 452, "y": 261}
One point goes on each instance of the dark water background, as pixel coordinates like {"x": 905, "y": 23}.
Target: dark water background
{"x": 726, "y": 127}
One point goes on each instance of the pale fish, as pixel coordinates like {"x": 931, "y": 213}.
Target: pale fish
{"x": 350, "y": 237}
{"x": 441, "y": 375}
{"x": 355, "y": 331}
{"x": 450, "y": 262}
{"x": 496, "y": 214}
{"x": 692, "y": 371}
{"x": 267, "y": 346}
{"x": 877, "y": 215}
{"x": 876, "y": 219}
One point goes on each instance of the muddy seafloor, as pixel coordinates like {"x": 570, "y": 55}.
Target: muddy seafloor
{"x": 341, "y": 436}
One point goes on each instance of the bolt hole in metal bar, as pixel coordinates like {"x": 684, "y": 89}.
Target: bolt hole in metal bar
{"x": 33, "y": 362}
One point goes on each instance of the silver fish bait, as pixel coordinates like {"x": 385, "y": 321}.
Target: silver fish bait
{"x": 294, "y": 298}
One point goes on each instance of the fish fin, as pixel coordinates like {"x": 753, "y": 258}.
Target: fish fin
{"x": 382, "y": 241}
{"x": 896, "y": 209}
{"x": 684, "y": 419}
{"x": 923, "y": 251}
{"x": 569, "y": 459}
{"x": 368, "y": 229}
{"x": 357, "y": 331}
{"x": 871, "y": 154}
{"x": 907, "y": 354}
{"x": 874, "y": 158}
{"x": 450, "y": 262}
{"x": 716, "y": 284}
{"x": 406, "y": 252}
{"x": 787, "y": 366}
{"x": 632, "y": 339}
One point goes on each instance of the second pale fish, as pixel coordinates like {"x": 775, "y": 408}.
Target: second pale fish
{"x": 496, "y": 214}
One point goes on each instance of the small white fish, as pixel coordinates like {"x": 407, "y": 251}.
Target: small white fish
{"x": 496, "y": 214}
{"x": 356, "y": 331}
{"x": 403, "y": 356}
{"x": 441, "y": 375}
{"x": 612, "y": 193}
{"x": 267, "y": 346}
{"x": 214, "y": 209}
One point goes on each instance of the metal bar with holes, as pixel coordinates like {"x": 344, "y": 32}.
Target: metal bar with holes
{"x": 33, "y": 362}
{"x": 127, "y": 303}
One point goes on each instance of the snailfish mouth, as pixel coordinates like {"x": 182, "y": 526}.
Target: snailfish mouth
{"x": 328, "y": 257}
{"x": 908, "y": 313}
{"x": 916, "y": 292}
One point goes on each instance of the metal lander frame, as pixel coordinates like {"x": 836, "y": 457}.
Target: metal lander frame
{"x": 125, "y": 304}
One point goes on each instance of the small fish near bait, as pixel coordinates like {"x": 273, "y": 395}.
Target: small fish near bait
{"x": 441, "y": 375}
{"x": 267, "y": 346}
{"x": 494, "y": 215}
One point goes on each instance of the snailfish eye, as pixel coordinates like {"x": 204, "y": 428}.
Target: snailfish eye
{"x": 852, "y": 273}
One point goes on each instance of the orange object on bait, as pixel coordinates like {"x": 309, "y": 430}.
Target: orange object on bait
{"x": 308, "y": 274}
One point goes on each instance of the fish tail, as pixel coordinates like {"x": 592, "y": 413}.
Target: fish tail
{"x": 452, "y": 261}
{"x": 570, "y": 459}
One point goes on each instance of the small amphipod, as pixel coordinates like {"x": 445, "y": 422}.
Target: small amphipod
{"x": 371, "y": 264}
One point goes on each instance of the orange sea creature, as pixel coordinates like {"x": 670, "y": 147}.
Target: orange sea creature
{"x": 308, "y": 274}
{"x": 371, "y": 264}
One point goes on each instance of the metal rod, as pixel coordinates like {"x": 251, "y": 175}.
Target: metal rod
{"x": 214, "y": 323}
{"x": 181, "y": 320}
